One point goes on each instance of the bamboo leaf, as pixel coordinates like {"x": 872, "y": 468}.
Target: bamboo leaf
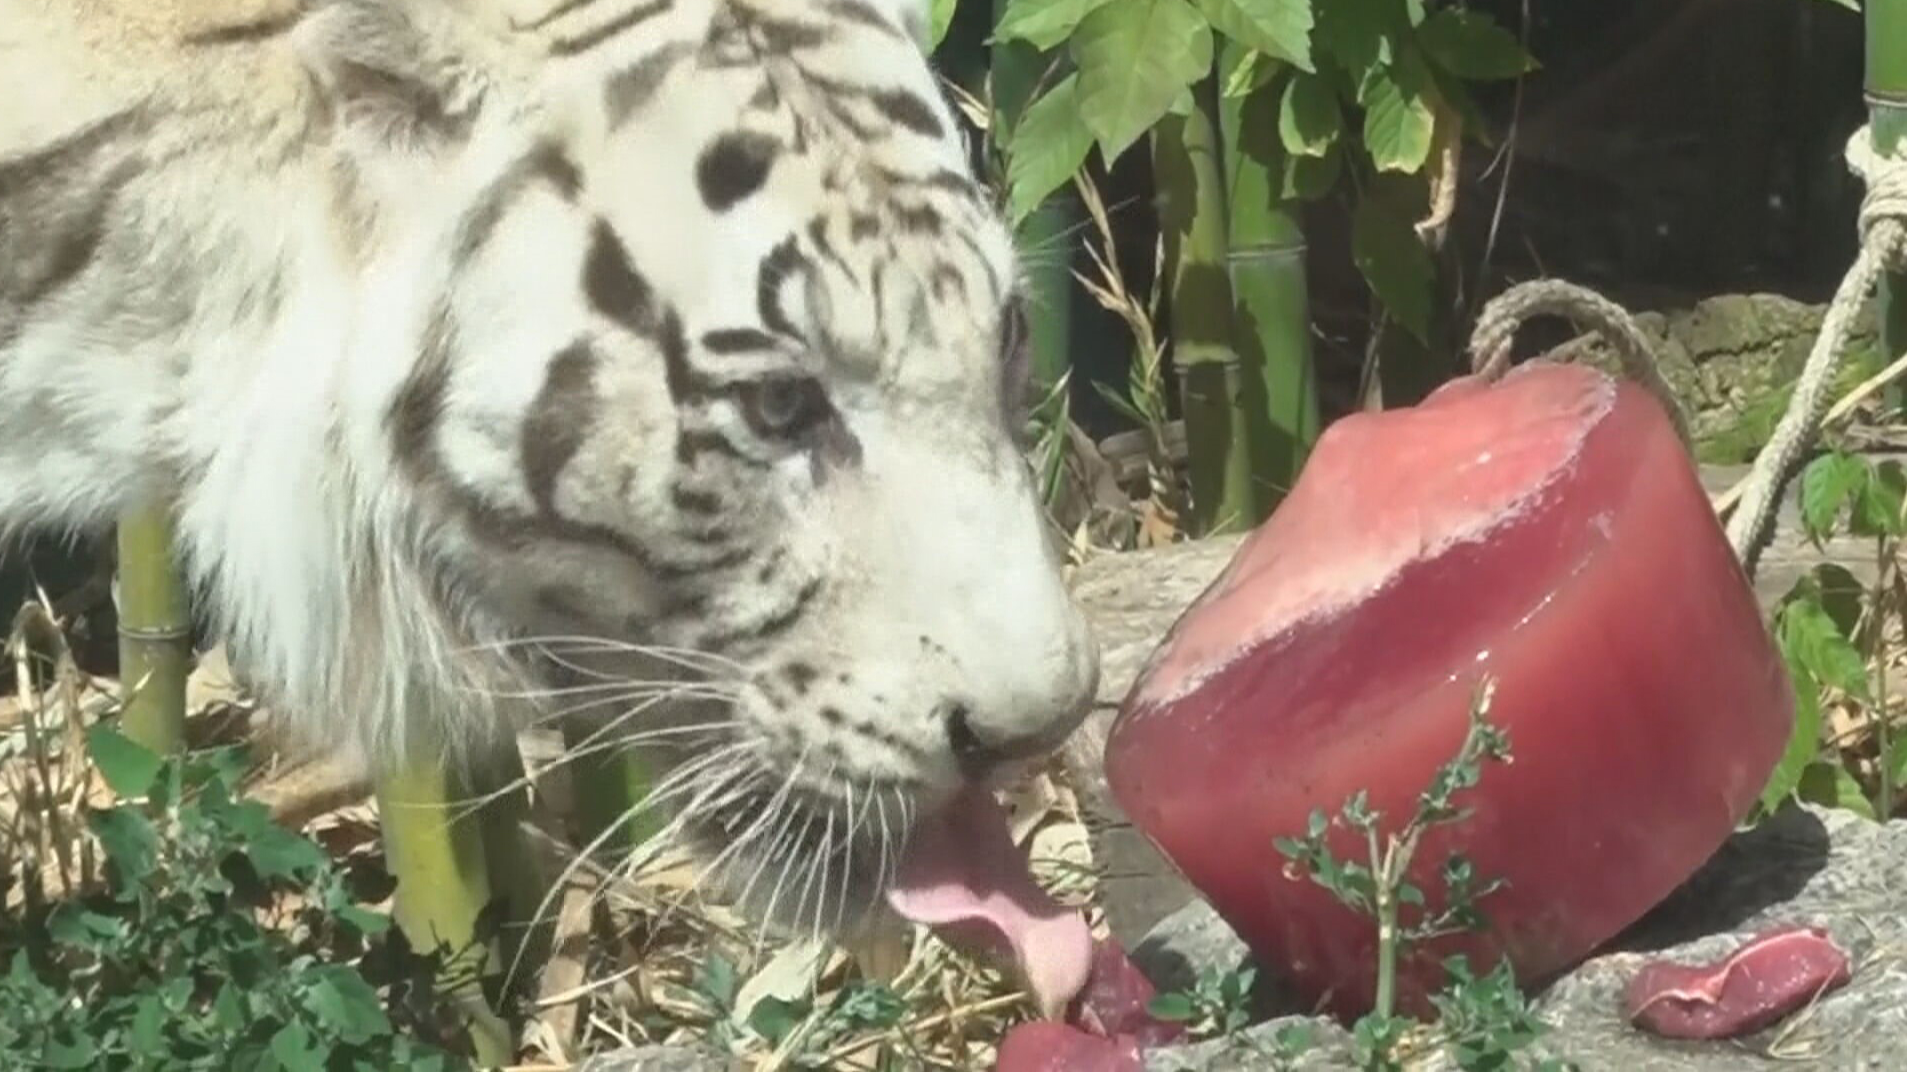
{"x": 1043, "y": 23}
{"x": 1049, "y": 144}
{"x": 942, "y": 14}
{"x": 1134, "y": 58}
{"x": 1308, "y": 116}
{"x": 1392, "y": 260}
{"x": 1398, "y": 120}
{"x": 1471, "y": 45}
{"x": 1280, "y": 28}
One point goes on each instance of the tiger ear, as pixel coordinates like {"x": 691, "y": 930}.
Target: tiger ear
{"x": 390, "y": 83}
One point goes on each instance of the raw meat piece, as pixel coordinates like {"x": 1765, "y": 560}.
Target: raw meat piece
{"x": 1759, "y": 983}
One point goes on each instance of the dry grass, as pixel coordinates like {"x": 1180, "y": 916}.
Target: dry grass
{"x": 629, "y": 954}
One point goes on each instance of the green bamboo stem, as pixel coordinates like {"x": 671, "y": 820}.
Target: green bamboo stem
{"x": 612, "y": 790}
{"x": 1045, "y": 237}
{"x": 155, "y": 630}
{"x": 1271, "y": 321}
{"x": 1214, "y": 389}
{"x": 451, "y": 862}
{"x": 1886, "y": 89}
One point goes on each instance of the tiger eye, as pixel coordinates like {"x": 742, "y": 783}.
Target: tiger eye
{"x": 785, "y": 407}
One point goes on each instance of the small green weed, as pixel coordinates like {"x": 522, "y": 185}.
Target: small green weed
{"x": 1831, "y": 630}
{"x": 1484, "y": 1021}
{"x": 220, "y": 941}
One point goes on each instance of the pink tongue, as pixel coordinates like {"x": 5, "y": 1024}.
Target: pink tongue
{"x": 964, "y": 877}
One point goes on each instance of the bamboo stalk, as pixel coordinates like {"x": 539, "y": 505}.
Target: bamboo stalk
{"x": 1213, "y": 386}
{"x": 447, "y": 866}
{"x": 155, "y": 630}
{"x": 1271, "y": 323}
{"x": 612, "y": 788}
{"x": 1886, "y": 91}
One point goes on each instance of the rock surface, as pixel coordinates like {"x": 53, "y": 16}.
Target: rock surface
{"x": 1806, "y": 865}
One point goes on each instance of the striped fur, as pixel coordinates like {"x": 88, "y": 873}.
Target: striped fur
{"x": 501, "y": 353}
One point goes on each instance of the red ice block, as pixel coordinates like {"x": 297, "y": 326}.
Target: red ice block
{"x": 1548, "y": 530}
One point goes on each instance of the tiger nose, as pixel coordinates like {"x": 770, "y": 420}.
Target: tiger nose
{"x": 981, "y": 750}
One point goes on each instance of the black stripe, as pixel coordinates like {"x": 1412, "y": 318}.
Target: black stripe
{"x": 918, "y": 219}
{"x": 552, "y": 14}
{"x": 738, "y": 341}
{"x": 695, "y": 442}
{"x": 734, "y": 166}
{"x": 818, "y": 235}
{"x": 903, "y": 107}
{"x": 242, "y": 32}
{"x": 546, "y": 163}
{"x": 613, "y": 285}
{"x": 631, "y": 88}
{"x": 856, "y": 11}
{"x": 558, "y": 421}
{"x": 632, "y": 17}
{"x": 784, "y": 259}
{"x": 419, "y": 405}
{"x": 686, "y": 382}
{"x": 694, "y": 500}
{"x": 993, "y": 278}
{"x": 771, "y": 625}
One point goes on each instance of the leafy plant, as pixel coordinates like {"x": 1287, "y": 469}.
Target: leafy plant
{"x": 1831, "y": 629}
{"x": 1217, "y": 1004}
{"x": 1484, "y": 1021}
{"x": 1359, "y": 89}
{"x": 219, "y": 940}
{"x": 808, "y": 1032}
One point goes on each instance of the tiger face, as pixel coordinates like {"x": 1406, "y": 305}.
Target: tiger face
{"x": 701, "y": 343}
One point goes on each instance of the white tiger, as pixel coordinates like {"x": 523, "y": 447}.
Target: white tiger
{"x": 483, "y": 342}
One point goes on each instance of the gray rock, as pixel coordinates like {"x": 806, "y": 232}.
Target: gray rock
{"x": 1807, "y": 865}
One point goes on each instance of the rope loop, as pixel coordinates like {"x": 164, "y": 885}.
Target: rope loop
{"x": 1497, "y": 325}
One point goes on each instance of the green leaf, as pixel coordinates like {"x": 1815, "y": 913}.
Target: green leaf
{"x": 1804, "y": 741}
{"x": 80, "y": 1053}
{"x": 1249, "y": 70}
{"x": 1828, "y": 484}
{"x": 129, "y": 841}
{"x": 1176, "y": 1007}
{"x": 1043, "y": 23}
{"x": 1398, "y": 119}
{"x": 1280, "y": 28}
{"x": 1309, "y": 120}
{"x": 1308, "y": 178}
{"x": 1394, "y": 262}
{"x": 292, "y": 1045}
{"x": 1353, "y": 33}
{"x": 341, "y": 1000}
{"x": 1048, "y": 147}
{"x": 128, "y": 767}
{"x": 274, "y": 851}
{"x": 1877, "y": 506}
{"x": 1134, "y": 58}
{"x": 942, "y": 14}
{"x": 1831, "y": 785}
{"x": 1897, "y": 755}
{"x": 1851, "y": 5}
{"x": 773, "y": 1018}
{"x": 1471, "y": 45}
{"x": 1809, "y": 637}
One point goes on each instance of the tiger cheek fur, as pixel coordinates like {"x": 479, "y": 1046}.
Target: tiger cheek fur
{"x": 603, "y": 351}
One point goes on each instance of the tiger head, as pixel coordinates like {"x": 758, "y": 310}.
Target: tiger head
{"x": 699, "y": 346}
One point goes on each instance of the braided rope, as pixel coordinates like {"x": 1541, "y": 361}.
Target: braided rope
{"x": 1883, "y": 230}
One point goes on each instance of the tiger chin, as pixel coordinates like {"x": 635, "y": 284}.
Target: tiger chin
{"x": 651, "y": 362}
